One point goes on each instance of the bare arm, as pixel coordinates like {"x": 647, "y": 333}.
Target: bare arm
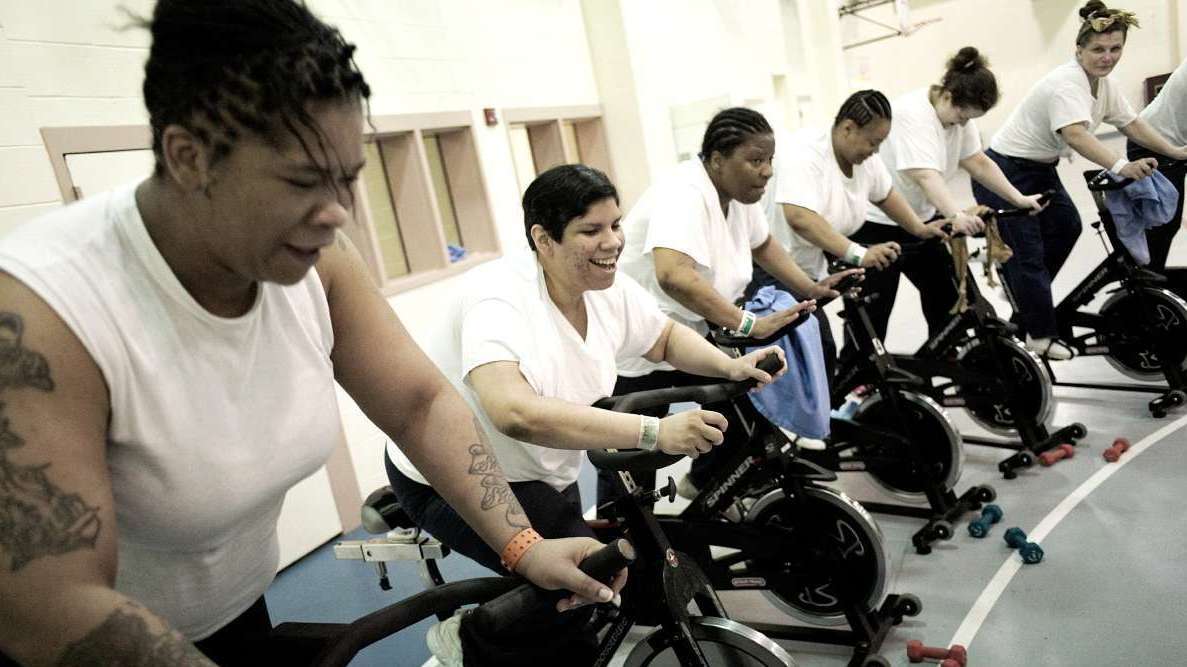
{"x": 774, "y": 260}
{"x": 1144, "y": 135}
{"x": 58, "y": 554}
{"x": 1085, "y": 143}
{"x": 987, "y": 173}
{"x": 403, "y": 393}
{"x": 895, "y": 206}
{"x": 815, "y": 229}
{"x": 677, "y": 275}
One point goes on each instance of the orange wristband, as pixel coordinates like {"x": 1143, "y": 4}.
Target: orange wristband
{"x": 518, "y": 546}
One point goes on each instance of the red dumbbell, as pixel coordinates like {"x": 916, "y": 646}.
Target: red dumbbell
{"x": 917, "y": 652}
{"x": 1120, "y": 446}
{"x": 1064, "y": 451}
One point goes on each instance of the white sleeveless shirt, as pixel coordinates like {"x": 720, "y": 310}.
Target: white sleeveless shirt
{"x": 212, "y": 418}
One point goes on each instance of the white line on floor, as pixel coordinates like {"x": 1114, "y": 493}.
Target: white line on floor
{"x": 981, "y": 608}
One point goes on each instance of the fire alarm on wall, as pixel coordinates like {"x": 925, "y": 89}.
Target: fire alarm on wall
{"x": 491, "y": 117}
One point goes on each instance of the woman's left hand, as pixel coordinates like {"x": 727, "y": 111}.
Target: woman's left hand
{"x": 824, "y": 288}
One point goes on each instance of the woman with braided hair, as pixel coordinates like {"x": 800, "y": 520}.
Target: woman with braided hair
{"x": 692, "y": 240}
{"x": 1058, "y": 116}
{"x": 932, "y": 136}
{"x": 825, "y": 183}
{"x": 180, "y": 340}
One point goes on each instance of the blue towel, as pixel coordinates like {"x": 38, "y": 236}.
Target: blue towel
{"x": 798, "y": 401}
{"x": 1139, "y": 206}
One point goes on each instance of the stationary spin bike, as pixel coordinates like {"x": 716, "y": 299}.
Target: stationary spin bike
{"x": 762, "y": 522}
{"x": 1141, "y": 329}
{"x": 975, "y": 362}
{"x": 898, "y": 436}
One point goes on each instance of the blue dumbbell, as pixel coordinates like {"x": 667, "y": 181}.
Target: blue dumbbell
{"x": 1031, "y": 553}
{"x": 990, "y": 515}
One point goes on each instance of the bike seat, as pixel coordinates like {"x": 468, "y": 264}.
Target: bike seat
{"x": 381, "y": 512}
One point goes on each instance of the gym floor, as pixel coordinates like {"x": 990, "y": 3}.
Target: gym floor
{"x": 1111, "y": 590}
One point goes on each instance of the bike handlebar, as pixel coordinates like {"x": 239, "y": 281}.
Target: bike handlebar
{"x": 640, "y": 461}
{"x": 1103, "y": 180}
{"x": 502, "y": 600}
{"x": 496, "y": 616}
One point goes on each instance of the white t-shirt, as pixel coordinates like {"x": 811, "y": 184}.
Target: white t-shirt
{"x": 213, "y": 418}
{"x": 1062, "y": 98}
{"x": 918, "y": 140}
{"x": 807, "y": 175}
{"x": 1168, "y": 112}
{"x": 683, "y": 213}
{"x": 507, "y": 315}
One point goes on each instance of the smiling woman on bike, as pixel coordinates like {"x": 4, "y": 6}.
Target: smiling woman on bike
{"x": 541, "y": 334}
{"x": 1058, "y": 116}
{"x": 171, "y": 350}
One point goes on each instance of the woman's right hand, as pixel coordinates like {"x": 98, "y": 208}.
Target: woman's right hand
{"x": 691, "y": 433}
{"x": 1139, "y": 169}
{"x": 767, "y": 325}
{"x": 881, "y": 255}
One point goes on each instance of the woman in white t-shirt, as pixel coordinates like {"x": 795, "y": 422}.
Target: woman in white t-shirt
{"x": 1167, "y": 114}
{"x": 541, "y": 335}
{"x": 1058, "y": 116}
{"x": 694, "y": 237}
{"x": 825, "y": 182}
{"x": 931, "y": 137}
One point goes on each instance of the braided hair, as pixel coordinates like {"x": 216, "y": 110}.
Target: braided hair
{"x": 731, "y": 128}
{"x": 863, "y": 107}
{"x": 272, "y": 57}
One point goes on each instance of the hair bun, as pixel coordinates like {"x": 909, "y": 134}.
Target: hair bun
{"x": 1091, "y": 7}
{"x": 967, "y": 59}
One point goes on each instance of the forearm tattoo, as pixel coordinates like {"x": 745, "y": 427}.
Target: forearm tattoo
{"x": 125, "y": 638}
{"x": 495, "y": 490}
{"x": 37, "y": 518}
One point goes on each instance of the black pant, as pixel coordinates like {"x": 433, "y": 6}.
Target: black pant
{"x": 927, "y": 264}
{"x": 243, "y": 641}
{"x": 553, "y": 514}
{"x": 1041, "y": 243}
{"x": 1159, "y": 238}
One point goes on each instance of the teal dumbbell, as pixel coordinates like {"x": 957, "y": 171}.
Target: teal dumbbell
{"x": 1031, "y": 553}
{"x": 990, "y": 515}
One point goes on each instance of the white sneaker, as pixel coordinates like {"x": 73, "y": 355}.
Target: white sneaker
{"x": 803, "y": 442}
{"x": 445, "y": 643}
{"x": 1048, "y": 348}
{"x": 686, "y": 489}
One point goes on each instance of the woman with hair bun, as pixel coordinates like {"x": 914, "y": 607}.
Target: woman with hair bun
{"x": 933, "y": 136}
{"x": 1058, "y": 116}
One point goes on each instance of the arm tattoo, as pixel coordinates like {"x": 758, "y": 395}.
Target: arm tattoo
{"x": 124, "y": 638}
{"x": 495, "y": 490}
{"x": 36, "y": 517}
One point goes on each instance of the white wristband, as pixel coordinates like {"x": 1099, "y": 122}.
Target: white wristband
{"x": 648, "y": 433}
{"x": 747, "y": 323}
{"x": 855, "y": 253}
{"x": 1118, "y": 166}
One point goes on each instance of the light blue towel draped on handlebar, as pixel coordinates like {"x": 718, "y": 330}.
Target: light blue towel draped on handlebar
{"x": 1139, "y": 206}
{"x": 798, "y": 401}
